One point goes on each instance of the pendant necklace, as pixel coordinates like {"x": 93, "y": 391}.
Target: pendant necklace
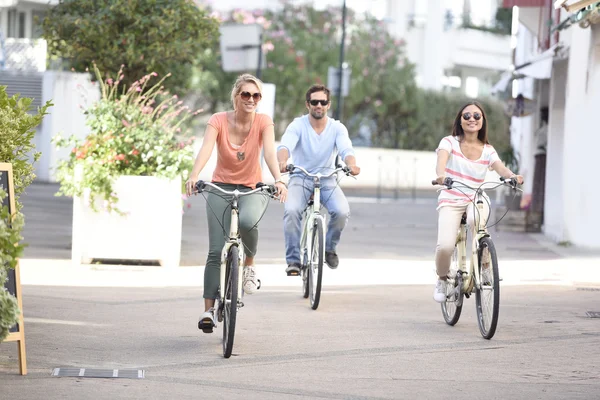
{"x": 241, "y": 155}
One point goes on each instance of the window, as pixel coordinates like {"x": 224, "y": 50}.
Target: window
{"x": 12, "y": 23}
{"x": 21, "y": 25}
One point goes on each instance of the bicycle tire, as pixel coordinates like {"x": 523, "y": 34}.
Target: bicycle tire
{"x": 315, "y": 275}
{"x": 487, "y": 317}
{"x": 230, "y": 300}
{"x": 452, "y": 307}
{"x": 305, "y": 277}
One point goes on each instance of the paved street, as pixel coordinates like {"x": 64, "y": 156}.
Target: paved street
{"x": 377, "y": 334}
{"x": 362, "y": 343}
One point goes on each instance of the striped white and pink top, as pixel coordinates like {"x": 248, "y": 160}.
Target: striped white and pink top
{"x": 459, "y": 167}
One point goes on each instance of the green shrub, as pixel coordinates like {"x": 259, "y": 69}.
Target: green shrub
{"x": 17, "y": 132}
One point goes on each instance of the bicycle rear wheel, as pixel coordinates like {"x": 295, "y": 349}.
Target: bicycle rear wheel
{"x": 315, "y": 268}
{"x": 488, "y": 294}
{"x": 452, "y": 307}
{"x": 231, "y": 298}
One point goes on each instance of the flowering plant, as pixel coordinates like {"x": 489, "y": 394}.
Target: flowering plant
{"x": 134, "y": 131}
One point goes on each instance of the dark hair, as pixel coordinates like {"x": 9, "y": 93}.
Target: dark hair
{"x": 317, "y": 88}
{"x": 457, "y": 129}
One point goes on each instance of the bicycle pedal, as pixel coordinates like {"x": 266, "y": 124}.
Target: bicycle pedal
{"x": 240, "y": 304}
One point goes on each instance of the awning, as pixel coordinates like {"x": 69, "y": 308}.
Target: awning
{"x": 504, "y": 81}
{"x": 540, "y": 67}
{"x": 523, "y": 3}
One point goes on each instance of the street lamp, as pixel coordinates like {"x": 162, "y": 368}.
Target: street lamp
{"x": 338, "y": 110}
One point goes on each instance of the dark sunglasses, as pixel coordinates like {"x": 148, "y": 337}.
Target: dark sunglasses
{"x": 315, "y": 102}
{"x": 467, "y": 116}
{"x": 246, "y": 96}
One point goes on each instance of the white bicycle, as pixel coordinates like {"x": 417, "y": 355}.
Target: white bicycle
{"x": 312, "y": 241}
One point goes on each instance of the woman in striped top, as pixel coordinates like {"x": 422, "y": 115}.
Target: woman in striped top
{"x": 466, "y": 155}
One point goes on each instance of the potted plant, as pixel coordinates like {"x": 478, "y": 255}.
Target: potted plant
{"x": 17, "y": 132}
{"x": 126, "y": 178}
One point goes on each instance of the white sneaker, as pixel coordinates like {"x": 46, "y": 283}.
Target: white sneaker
{"x": 207, "y": 321}
{"x": 250, "y": 283}
{"x": 439, "y": 294}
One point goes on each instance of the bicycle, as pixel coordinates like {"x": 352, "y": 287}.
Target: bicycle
{"x": 313, "y": 227}
{"x": 230, "y": 295}
{"x": 461, "y": 282}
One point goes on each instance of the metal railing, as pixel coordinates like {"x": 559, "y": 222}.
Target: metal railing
{"x": 23, "y": 54}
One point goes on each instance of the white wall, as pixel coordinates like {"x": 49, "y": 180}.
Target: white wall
{"x": 69, "y": 92}
{"x": 553, "y": 200}
{"x": 580, "y": 190}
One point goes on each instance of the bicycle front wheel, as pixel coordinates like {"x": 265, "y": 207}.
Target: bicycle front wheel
{"x": 488, "y": 293}
{"x": 452, "y": 307}
{"x": 230, "y": 300}
{"x": 305, "y": 276}
{"x": 315, "y": 268}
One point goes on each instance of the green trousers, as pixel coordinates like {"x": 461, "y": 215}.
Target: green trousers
{"x": 218, "y": 213}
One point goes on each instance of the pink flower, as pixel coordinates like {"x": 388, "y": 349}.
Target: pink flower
{"x": 268, "y": 46}
{"x": 125, "y": 123}
{"x": 120, "y": 157}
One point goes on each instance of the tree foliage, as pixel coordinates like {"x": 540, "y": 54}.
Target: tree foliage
{"x": 385, "y": 108}
{"x": 144, "y": 36}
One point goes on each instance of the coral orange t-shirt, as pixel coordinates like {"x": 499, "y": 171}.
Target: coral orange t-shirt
{"x": 239, "y": 165}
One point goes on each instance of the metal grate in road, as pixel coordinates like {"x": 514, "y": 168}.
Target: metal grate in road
{"x": 593, "y": 314}
{"x": 99, "y": 373}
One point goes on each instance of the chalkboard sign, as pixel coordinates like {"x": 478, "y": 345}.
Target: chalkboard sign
{"x": 13, "y": 284}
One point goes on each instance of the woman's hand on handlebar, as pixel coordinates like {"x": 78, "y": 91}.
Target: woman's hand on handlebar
{"x": 189, "y": 186}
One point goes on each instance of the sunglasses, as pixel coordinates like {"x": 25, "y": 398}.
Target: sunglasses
{"x": 246, "y": 96}
{"x": 315, "y": 102}
{"x": 467, "y": 116}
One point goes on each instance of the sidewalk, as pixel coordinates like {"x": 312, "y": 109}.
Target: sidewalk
{"x": 351, "y": 272}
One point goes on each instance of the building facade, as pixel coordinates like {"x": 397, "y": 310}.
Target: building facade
{"x": 557, "y": 65}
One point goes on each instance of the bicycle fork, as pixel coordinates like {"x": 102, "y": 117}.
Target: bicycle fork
{"x": 233, "y": 240}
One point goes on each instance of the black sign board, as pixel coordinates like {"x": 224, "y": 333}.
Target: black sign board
{"x": 13, "y": 284}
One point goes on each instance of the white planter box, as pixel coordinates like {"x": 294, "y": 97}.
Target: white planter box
{"x": 150, "y": 230}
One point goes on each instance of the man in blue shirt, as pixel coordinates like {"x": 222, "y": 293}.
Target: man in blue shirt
{"x": 313, "y": 141}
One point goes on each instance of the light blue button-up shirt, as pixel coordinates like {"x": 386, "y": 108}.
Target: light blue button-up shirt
{"x": 314, "y": 151}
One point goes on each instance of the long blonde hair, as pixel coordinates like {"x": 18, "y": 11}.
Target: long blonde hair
{"x": 237, "y": 86}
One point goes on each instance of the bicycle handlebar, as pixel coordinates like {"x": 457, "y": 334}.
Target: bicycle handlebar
{"x": 260, "y": 187}
{"x": 339, "y": 168}
{"x": 448, "y": 182}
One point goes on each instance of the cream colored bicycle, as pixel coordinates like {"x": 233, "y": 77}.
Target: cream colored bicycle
{"x": 482, "y": 275}
{"x": 229, "y": 299}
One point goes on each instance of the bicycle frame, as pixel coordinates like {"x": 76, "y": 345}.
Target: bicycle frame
{"x": 234, "y": 239}
{"x": 311, "y": 213}
{"x": 472, "y": 274}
